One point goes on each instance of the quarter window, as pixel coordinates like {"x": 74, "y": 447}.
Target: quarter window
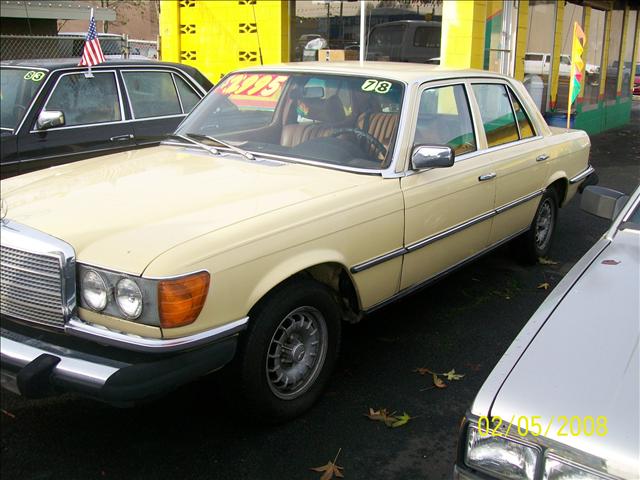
{"x": 526, "y": 129}
{"x": 187, "y": 95}
{"x": 444, "y": 119}
{"x": 497, "y": 115}
{"x": 85, "y": 101}
{"x": 152, "y": 94}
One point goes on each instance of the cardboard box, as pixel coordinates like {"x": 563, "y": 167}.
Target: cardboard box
{"x": 337, "y": 55}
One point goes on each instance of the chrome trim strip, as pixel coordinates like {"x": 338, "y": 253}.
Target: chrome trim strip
{"x": 20, "y": 354}
{"x": 583, "y": 175}
{"x": 444, "y": 234}
{"x": 378, "y": 260}
{"x": 442, "y": 274}
{"x": 519, "y": 201}
{"x": 78, "y": 328}
{"x": 447, "y": 233}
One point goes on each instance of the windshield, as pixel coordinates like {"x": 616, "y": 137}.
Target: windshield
{"x": 17, "y": 89}
{"x": 338, "y": 120}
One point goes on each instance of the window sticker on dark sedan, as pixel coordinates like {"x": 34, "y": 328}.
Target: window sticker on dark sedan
{"x": 34, "y": 75}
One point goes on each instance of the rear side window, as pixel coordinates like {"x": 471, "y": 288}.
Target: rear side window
{"x": 444, "y": 119}
{"x": 526, "y": 129}
{"x": 152, "y": 94}
{"x": 188, "y": 97}
{"x": 84, "y": 101}
{"x": 427, "y": 37}
{"x": 497, "y": 115}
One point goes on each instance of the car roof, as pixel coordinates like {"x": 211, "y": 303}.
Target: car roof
{"x": 52, "y": 64}
{"x": 400, "y": 71}
{"x": 58, "y": 63}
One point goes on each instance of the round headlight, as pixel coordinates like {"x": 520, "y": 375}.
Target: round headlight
{"x": 94, "y": 291}
{"x": 129, "y": 298}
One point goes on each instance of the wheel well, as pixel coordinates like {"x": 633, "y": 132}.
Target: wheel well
{"x": 334, "y": 276}
{"x": 560, "y": 186}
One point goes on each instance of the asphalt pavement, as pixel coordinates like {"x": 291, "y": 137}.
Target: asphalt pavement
{"x": 464, "y": 322}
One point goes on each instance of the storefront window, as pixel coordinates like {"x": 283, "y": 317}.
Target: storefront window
{"x": 593, "y": 61}
{"x": 335, "y": 25}
{"x": 537, "y": 59}
{"x": 627, "y": 77}
{"x": 572, "y": 14}
{"x": 615, "y": 37}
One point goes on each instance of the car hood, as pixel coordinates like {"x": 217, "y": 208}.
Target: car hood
{"x": 584, "y": 361}
{"x": 121, "y": 211}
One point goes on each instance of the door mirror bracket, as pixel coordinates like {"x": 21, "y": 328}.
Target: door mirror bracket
{"x": 50, "y": 119}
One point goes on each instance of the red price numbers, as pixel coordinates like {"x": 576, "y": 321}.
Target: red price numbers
{"x": 253, "y": 84}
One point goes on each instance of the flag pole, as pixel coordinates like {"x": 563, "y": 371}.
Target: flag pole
{"x": 571, "y": 75}
{"x": 89, "y": 74}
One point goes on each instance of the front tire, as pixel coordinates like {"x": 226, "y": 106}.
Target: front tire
{"x": 290, "y": 350}
{"x": 536, "y": 242}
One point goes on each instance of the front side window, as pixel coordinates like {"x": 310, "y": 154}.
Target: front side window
{"x": 497, "y": 117}
{"x": 152, "y": 94}
{"x": 340, "y": 120}
{"x": 444, "y": 119}
{"x": 18, "y": 87}
{"x": 85, "y": 101}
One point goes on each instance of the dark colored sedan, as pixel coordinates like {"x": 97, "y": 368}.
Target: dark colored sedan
{"x": 54, "y": 112}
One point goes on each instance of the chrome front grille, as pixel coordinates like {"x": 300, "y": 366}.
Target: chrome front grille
{"x": 37, "y": 276}
{"x": 31, "y": 287}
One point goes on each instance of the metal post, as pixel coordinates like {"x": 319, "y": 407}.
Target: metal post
{"x": 363, "y": 28}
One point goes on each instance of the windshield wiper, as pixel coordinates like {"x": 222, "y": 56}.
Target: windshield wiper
{"x": 220, "y": 143}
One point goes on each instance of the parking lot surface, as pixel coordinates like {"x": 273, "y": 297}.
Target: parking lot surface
{"x": 464, "y": 322}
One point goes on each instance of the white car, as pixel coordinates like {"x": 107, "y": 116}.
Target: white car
{"x": 564, "y": 400}
{"x": 540, "y": 64}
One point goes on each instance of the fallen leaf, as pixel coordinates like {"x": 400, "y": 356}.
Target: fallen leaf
{"x": 546, "y": 261}
{"x": 437, "y": 381}
{"x": 610, "y": 262}
{"x": 544, "y": 286}
{"x": 8, "y": 414}
{"x": 452, "y": 375}
{"x": 381, "y": 415}
{"x": 423, "y": 371}
{"x": 330, "y": 469}
{"x": 401, "y": 420}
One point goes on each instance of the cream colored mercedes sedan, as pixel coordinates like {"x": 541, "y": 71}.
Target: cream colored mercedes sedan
{"x": 291, "y": 199}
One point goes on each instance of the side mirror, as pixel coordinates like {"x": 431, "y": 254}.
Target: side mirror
{"x": 50, "y": 119}
{"x": 432, "y": 156}
{"x": 602, "y": 202}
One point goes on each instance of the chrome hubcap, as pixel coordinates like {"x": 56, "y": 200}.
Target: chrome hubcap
{"x": 296, "y": 352}
{"x": 544, "y": 224}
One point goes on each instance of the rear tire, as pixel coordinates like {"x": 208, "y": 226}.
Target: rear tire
{"x": 536, "y": 242}
{"x": 289, "y": 351}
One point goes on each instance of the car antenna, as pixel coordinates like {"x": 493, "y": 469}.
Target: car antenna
{"x": 257, "y": 33}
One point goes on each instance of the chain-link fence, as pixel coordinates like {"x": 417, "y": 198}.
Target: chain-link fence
{"x": 19, "y": 47}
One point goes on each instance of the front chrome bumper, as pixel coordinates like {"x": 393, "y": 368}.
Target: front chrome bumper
{"x": 35, "y": 367}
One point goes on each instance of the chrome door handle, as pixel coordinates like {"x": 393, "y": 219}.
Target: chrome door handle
{"x": 542, "y": 158}
{"x": 121, "y": 138}
{"x": 486, "y": 176}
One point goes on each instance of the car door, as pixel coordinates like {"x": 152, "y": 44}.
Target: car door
{"x": 519, "y": 154}
{"x": 94, "y": 122}
{"x": 159, "y": 100}
{"x": 447, "y": 210}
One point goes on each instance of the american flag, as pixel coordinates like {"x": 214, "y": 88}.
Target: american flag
{"x": 92, "y": 54}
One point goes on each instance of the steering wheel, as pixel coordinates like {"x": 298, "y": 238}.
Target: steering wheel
{"x": 378, "y": 146}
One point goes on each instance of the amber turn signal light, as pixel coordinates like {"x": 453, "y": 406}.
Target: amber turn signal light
{"x": 180, "y": 300}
